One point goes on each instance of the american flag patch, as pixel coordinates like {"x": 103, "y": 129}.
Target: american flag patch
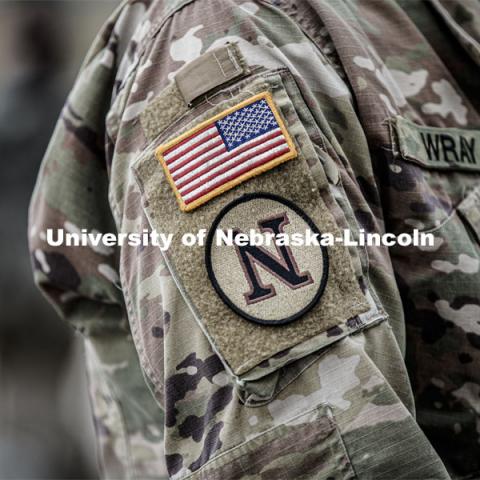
{"x": 218, "y": 154}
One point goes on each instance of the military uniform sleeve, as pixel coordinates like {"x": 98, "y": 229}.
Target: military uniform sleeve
{"x": 273, "y": 363}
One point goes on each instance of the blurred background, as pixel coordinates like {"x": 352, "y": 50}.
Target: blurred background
{"x": 46, "y": 428}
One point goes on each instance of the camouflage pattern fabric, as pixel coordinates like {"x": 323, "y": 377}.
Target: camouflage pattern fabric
{"x": 390, "y": 393}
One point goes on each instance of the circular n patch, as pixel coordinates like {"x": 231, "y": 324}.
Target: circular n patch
{"x": 271, "y": 284}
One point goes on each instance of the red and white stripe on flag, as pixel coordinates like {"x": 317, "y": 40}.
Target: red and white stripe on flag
{"x": 225, "y": 150}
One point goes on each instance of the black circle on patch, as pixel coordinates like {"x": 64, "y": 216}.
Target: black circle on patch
{"x": 211, "y": 274}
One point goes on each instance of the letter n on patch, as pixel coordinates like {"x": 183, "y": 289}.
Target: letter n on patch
{"x": 226, "y": 150}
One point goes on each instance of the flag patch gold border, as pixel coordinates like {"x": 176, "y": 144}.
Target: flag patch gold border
{"x": 292, "y": 153}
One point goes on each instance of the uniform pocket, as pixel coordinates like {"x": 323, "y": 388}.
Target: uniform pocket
{"x": 451, "y": 267}
{"x": 440, "y": 284}
{"x": 262, "y": 308}
{"x": 280, "y": 452}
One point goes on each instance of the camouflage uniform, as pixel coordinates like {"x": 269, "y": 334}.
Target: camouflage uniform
{"x": 380, "y": 101}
